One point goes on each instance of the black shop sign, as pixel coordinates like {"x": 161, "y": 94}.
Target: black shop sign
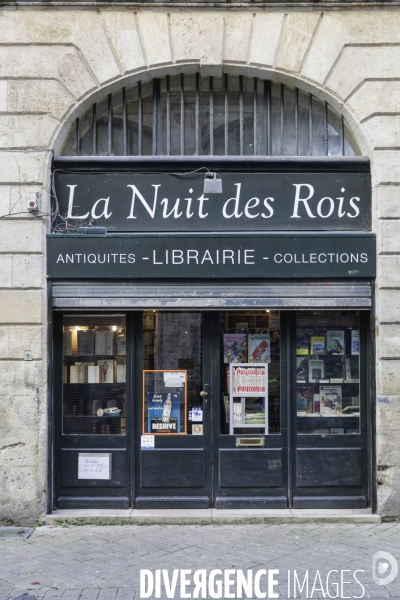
{"x": 207, "y": 256}
{"x": 139, "y": 202}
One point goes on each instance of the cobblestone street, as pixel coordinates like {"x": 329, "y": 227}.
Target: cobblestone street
{"x": 103, "y": 562}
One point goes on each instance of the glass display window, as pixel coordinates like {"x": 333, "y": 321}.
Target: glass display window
{"x": 250, "y": 353}
{"x": 172, "y": 351}
{"x": 94, "y": 375}
{"x": 328, "y": 372}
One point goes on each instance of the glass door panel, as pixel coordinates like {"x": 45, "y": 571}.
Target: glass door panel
{"x": 173, "y": 368}
{"x": 251, "y": 338}
{"x": 250, "y": 461}
{"x": 176, "y": 472}
{"x": 328, "y": 373}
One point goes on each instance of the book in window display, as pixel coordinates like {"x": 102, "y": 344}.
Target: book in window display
{"x": 121, "y": 345}
{"x": 317, "y": 344}
{"x": 259, "y": 345}
{"x": 227, "y": 408}
{"x": 316, "y": 403}
{"x": 67, "y": 342}
{"x": 303, "y": 341}
{"x": 121, "y": 373}
{"x": 235, "y": 347}
{"x": 274, "y": 319}
{"x": 315, "y": 370}
{"x": 238, "y": 411}
{"x": 107, "y": 370}
{"x": 301, "y": 368}
{"x": 79, "y": 372}
{"x": 254, "y": 412}
{"x": 351, "y": 406}
{"x": 352, "y": 369}
{"x": 304, "y": 399}
{"x": 331, "y": 404}
{"x": 334, "y": 370}
{"x": 86, "y": 342}
{"x": 335, "y": 342}
{"x": 95, "y": 374}
{"x": 355, "y": 342}
{"x": 104, "y": 342}
{"x": 336, "y": 430}
{"x": 249, "y": 380}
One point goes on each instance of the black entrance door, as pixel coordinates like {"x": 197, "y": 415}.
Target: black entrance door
{"x": 209, "y": 461}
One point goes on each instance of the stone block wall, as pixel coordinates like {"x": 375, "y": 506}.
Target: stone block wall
{"x": 54, "y": 63}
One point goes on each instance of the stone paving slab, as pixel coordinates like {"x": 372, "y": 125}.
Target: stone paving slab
{"x": 104, "y": 562}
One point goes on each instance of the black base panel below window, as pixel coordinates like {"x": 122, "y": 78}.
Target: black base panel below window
{"x": 230, "y": 502}
{"x": 99, "y": 502}
{"x": 330, "y": 502}
{"x": 143, "y": 502}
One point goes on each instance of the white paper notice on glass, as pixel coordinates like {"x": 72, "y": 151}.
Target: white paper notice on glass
{"x": 94, "y": 465}
{"x": 174, "y": 379}
{"x": 147, "y": 442}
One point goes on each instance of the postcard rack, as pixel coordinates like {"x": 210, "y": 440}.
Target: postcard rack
{"x": 248, "y": 396}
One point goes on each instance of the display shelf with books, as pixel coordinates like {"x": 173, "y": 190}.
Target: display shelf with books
{"x": 94, "y": 375}
{"x": 327, "y": 373}
{"x": 248, "y": 396}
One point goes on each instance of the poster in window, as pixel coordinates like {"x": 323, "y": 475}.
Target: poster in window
{"x": 164, "y": 412}
{"x": 259, "y": 345}
{"x": 235, "y": 347}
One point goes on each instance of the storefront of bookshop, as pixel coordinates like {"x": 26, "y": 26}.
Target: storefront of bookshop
{"x": 211, "y": 268}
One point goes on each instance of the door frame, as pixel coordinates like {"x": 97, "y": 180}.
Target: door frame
{"x": 211, "y": 357}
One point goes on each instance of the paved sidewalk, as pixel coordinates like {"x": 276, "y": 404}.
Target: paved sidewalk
{"x": 103, "y": 562}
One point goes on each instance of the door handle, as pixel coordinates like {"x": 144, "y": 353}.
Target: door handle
{"x": 204, "y": 395}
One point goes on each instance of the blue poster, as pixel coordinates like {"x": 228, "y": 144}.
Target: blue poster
{"x": 164, "y": 412}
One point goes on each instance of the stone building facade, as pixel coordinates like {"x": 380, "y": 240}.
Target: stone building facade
{"x": 56, "y": 60}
